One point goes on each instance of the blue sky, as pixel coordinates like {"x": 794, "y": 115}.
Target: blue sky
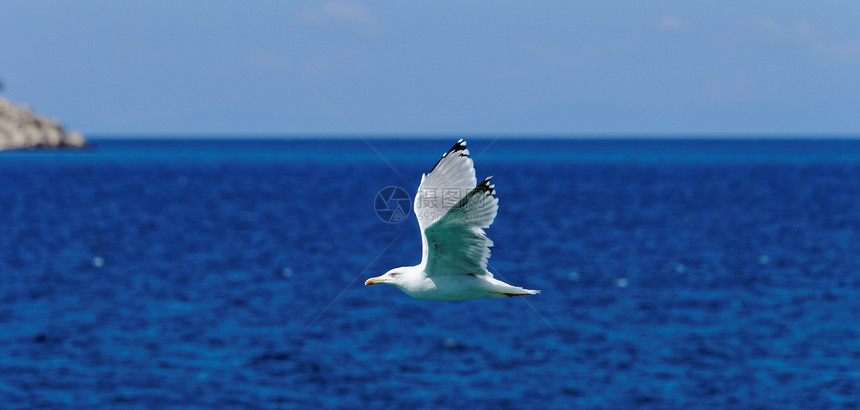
{"x": 436, "y": 67}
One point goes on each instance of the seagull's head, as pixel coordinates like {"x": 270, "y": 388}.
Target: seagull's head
{"x": 395, "y": 277}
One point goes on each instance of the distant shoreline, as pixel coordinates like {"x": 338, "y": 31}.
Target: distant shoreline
{"x": 22, "y": 128}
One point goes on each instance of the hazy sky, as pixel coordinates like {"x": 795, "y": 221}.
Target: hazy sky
{"x": 431, "y": 67}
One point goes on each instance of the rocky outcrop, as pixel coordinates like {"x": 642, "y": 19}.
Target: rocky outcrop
{"x": 22, "y": 128}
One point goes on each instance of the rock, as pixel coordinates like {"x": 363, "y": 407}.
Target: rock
{"x": 22, "y": 128}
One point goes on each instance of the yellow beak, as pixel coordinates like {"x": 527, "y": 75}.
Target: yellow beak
{"x": 371, "y": 281}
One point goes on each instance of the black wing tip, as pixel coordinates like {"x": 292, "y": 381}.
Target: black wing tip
{"x": 459, "y": 146}
{"x": 485, "y": 186}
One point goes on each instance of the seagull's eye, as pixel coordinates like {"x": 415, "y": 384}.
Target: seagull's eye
{"x": 394, "y": 274}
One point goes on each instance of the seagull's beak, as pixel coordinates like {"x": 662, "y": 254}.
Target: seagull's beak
{"x": 371, "y": 281}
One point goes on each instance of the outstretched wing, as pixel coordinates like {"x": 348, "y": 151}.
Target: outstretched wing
{"x": 456, "y": 243}
{"x": 451, "y": 179}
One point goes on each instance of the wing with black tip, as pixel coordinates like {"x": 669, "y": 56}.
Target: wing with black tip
{"x": 451, "y": 179}
{"x": 456, "y": 242}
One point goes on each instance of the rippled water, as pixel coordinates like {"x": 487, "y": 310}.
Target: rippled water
{"x": 675, "y": 274}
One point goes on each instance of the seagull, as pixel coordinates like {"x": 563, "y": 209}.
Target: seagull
{"x": 452, "y": 213}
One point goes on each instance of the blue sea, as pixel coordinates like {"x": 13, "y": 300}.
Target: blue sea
{"x": 229, "y": 274}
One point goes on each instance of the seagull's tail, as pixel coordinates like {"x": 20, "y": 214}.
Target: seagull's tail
{"x": 501, "y": 289}
{"x": 516, "y": 291}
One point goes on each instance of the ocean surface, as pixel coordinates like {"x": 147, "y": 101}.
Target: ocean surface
{"x": 229, "y": 274}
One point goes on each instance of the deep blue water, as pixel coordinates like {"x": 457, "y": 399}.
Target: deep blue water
{"x": 203, "y": 274}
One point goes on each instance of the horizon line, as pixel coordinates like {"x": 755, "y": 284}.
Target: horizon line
{"x": 476, "y": 136}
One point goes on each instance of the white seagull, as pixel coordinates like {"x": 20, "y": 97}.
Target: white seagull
{"x": 452, "y": 213}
